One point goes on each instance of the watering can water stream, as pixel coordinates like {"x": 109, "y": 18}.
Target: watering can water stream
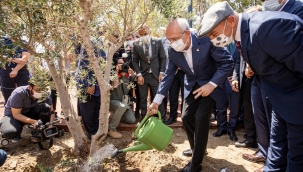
{"x": 151, "y": 134}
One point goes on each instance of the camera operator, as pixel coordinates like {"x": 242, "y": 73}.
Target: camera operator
{"x": 25, "y": 106}
{"x": 121, "y": 110}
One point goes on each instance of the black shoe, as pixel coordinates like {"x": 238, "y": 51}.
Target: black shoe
{"x": 233, "y": 136}
{"x": 245, "y": 136}
{"x": 191, "y": 167}
{"x": 220, "y": 133}
{"x": 187, "y": 152}
{"x": 170, "y": 121}
{"x": 246, "y": 144}
{"x": 137, "y": 114}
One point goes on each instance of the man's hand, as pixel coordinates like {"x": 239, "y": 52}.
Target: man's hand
{"x": 91, "y": 90}
{"x": 204, "y": 91}
{"x": 13, "y": 74}
{"x": 152, "y": 109}
{"x": 140, "y": 80}
{"x": 248, "y": 71}
{"x": 235, "y": 86}
{"x": 160, "y": 77}
{"x": 36, "y": 122}
{"x": 131, "y": 71}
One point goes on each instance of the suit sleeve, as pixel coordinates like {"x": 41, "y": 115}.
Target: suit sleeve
{"x": 168, "y": 78}
{"x": 224, "y": 65}
{"x": 282, "y": 40}
{"x": 136, "y": 60}
{"x": 162, "y": 57}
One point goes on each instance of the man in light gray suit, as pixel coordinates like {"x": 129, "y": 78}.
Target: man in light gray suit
{"x": 149, "y": 62}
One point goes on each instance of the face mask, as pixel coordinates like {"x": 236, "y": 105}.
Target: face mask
{"x": 272, "y": 5}
{"x": 179, "y": 45}
{"x": 37, "y": 95}
{"x": 222, "y": 40}
{"x": 145, "y": 38}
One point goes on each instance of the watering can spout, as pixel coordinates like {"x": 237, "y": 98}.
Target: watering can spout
{"x": 138, "y": 147}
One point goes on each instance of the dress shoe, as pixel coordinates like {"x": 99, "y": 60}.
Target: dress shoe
{"x": 253, "y": 158}
{"x": 220, "y": 133}
{"x": 246, "y": 144}
{"x": 260, "y": 169}
{"x": 189, "y": 152}
{"x": 191, "y": 167}
{"x": 233, "y": 136}
{"x": 223, "y": 170}
{"x": 170, "y": 121}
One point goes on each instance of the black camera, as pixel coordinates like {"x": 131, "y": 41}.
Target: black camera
{"x": 125, "y": 67}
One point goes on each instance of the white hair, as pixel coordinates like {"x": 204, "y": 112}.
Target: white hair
{"x": 183, "y": 23}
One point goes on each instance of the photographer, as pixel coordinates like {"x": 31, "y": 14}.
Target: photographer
{"x": 24, "y": 106}
{"x": 119, "y": 92}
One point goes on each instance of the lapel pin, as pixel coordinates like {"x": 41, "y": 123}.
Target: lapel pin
{"x": 198, "y": 49}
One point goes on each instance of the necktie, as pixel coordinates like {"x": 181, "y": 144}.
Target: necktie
{"x": 239, "y": 47}
{"x": 146, "y": 51}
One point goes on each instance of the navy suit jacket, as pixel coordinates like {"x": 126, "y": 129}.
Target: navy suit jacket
{"x": 294, "y": 7}
{"x": 272, "y": 44}
{"x": 209, "y": 64}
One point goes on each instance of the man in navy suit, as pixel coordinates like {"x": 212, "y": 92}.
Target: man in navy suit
{"x": 206, "y": 70}
{"x": 261, "y": 105}
{"x": 271, "y": 44}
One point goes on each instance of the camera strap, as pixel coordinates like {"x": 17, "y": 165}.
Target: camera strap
{"x": 51, "y": 142}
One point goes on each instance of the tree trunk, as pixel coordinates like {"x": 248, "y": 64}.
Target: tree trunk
{"x": 80, "y": 148}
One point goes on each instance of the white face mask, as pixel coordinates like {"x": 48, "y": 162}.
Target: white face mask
{"x": 222, "y": 40}
{"x": 145, "y": 38}
{"x": 37, "y": 95}
{"x": 179, "y": 45}
{"x": 272, "y": 5}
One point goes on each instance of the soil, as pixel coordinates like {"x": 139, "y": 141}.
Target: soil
{"x": 26, "y": 156}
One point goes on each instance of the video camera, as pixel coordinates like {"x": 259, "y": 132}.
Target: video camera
{"x": 40, "y": 133}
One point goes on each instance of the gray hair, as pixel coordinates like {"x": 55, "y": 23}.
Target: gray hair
{"x": 183, "y": 23}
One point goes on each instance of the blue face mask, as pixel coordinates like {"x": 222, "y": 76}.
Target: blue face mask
{"x": 272, "y": 5}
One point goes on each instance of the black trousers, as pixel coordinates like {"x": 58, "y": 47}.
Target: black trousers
{"x": 153, "y": 83}
{"x": 9, "y": 84}
{"x": 54, "y": 98}
{"x": 249, "y": 120}
{"x": 195, "y": 117}
{"x": 176, "y": 86}
{"x": 11, "y": 127}
{"x": 90, "y": 114}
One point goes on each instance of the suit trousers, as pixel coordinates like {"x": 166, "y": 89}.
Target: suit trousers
{"x": 11, "y": 128}
{"x": 90, "y": 114}
{"x": 233, "y": 115}
{"x": 285, "y": 152}
{"x": 195, "y": 117}
{"x": 176, "y": 86}
{"x": 153, "y": 83}
{"x": 249, "y": 121}
{"x": 262, "y": 114}
{"x": 8, "y": 84}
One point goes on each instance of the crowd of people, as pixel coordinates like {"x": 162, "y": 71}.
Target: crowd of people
{"x": 248, "y": 63}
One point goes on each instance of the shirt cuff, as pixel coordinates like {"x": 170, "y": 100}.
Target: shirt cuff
{"x": 161, "y": 72}
{"x": 212, "y": 83}
{"x": 158, "y": 99}
{"x": 139, "y": 74}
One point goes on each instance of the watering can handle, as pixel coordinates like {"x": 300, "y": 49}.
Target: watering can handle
{"x": 143, "y": 121}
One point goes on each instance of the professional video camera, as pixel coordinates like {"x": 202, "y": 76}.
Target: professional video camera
{"x": 41, "y": 133}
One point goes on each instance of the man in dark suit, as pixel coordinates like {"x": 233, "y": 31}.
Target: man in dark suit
{"x": 149, "y": 63}
{"x": 231, "y": 125}
{"x": 206, "y": 70}
{"x": 261, "y": 105}
{"x": 274, "y": 52}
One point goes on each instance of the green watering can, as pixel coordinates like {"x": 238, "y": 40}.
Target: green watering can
{"x": 151, "y": 134}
